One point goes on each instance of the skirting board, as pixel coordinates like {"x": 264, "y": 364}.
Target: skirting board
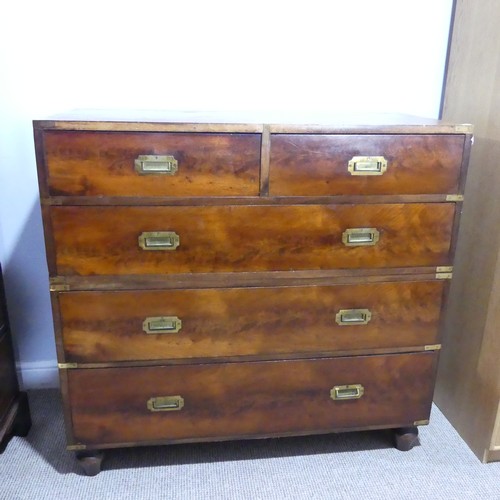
{"x": 38, "y": 375}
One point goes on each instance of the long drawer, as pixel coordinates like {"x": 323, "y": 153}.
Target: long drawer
{"x": 151, "y": 164}
{"x": 173, "y": 324}
{"x": 364, "y": 164}
{"x": 157, "y": 240}
{"x": 168, "y": 403}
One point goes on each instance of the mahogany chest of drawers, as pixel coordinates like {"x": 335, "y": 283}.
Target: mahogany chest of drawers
{"x": 220, "y": 277}
{"x": 15, "y": 418}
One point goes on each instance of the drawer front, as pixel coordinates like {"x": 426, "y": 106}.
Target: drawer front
{"x": 146, "y": 325}
{"x": 103, "y": 164}
{"x": 110, "y": 405}
{"x": 312, "y": 165}
{"x": 106, "y": 240}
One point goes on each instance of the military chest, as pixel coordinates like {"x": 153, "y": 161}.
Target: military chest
{"x": 222, "y": 277}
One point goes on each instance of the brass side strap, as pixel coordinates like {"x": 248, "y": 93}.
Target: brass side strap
{"x": 444, "y": 269}
{"x": 432, "y": 347}
{"x": 444, "y": 276}
{"x": 76, "y": 447}
{"x": 455, "y": 197}
{"x": 66, "y": 366}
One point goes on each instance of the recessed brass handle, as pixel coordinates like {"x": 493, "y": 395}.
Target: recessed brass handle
{"x": 367, "y": 165}
{"x": 349, "y": 317}
{"x": 344, "y": 392}
{"x": 165, "y": 403}
{"x": 156, "y": 325}
{"x": 156, "y": 165}
{"x": 159, "y": 240}
{"x": 360, "y": 236}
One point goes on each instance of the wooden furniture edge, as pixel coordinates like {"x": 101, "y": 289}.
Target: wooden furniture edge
{"x": 245, "y": 279}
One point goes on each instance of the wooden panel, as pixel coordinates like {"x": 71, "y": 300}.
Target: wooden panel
{"x": 108, "y": 326}
{"x": 245, "y": 399}
{"x": 3, "y": 317}
{"x": 8, "y": 381}
{"x": 102, "y": 164}
{"x": 248, "y": 121}
{"x": 246, "y": 279}
{"x": 468, "y": 388}
{"x": 104, "y": 240}
{"x": 3, "y": 306}
{"x": 317, "y": 164}
{"x": 495, "y": 442}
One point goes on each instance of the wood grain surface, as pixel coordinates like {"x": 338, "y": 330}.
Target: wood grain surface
{"x": 104, "y": 240}
{"x": 304, "y": 165}
{"x": 102, "y": 164}
{"x": 234, "y": 399}
{"x": 108, "y": 326}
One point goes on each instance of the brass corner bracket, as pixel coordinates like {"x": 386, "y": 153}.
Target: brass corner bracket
{"x": 76, "y": 447}
{"x": 421, "y": 422}
{"x": 57, "y": 285}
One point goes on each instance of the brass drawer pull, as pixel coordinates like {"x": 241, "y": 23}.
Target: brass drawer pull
{"x": 165, "y": 403}
{"x": 367, "y": 165}
{"x": 348, "y": 317}
{"x": 159, "y": 240}
{"x": 360, "y": 236}
{"x": 156, "y": 165}
{"x": 162, "y": 324}
{"x": 342, "y": 392}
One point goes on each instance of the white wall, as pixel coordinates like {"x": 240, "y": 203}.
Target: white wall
{"x": 338, "y": 55}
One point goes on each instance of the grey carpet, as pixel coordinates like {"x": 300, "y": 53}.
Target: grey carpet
{"x": 339, "y": 466}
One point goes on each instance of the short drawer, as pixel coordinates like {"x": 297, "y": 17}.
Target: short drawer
{"x": 81, "y": 163}
{"x": 312, "y": 165}
{"x": 173, "y": 324}
{"x": 158, "y": 240}
{"x": 211, "y": 401}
